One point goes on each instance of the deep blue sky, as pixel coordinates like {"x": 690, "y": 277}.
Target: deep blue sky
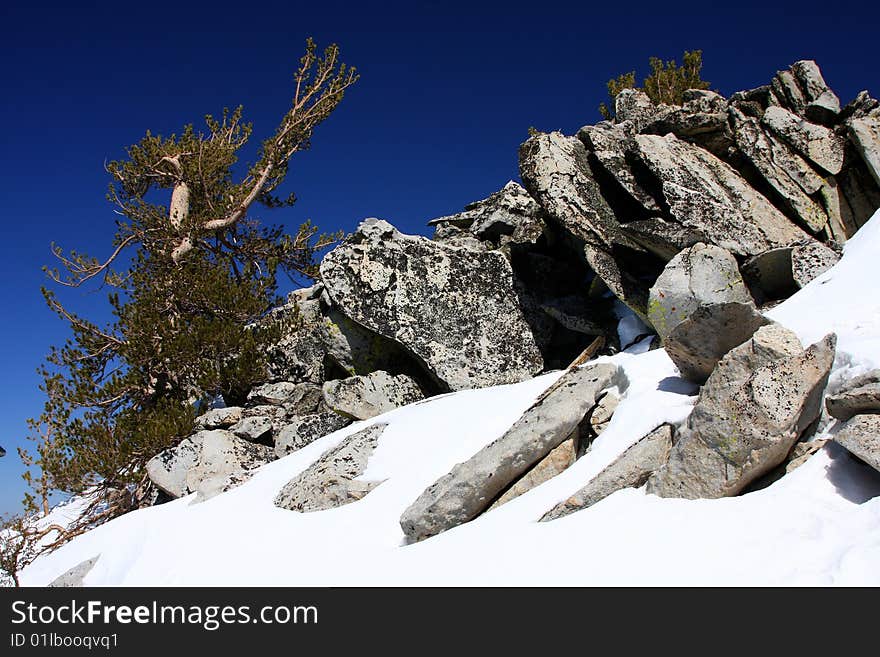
{"x": 448, "y": 91}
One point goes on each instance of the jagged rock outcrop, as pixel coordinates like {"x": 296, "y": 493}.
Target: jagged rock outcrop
{"x": 816, "y": 143}
{"x": 865, "y": 134}
{"x": 363, "y": 397}
{"x": 509, "y": 216}
{"x": 332, "y": 480}
{"x": 471, "y": 487}
{"x": 858, "y": 396}
{"x": 453, "y": 308}
{"x": 860, "y": 436}
{"x": 556, "y": 171}
{"x": 761, "y": 398}
{"x": 786, "y": 173}
{"x": 706, "y": 195}
{"x": 630, "y": 470}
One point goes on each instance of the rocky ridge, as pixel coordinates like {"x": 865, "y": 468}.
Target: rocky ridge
{"x": 694, "y": 219}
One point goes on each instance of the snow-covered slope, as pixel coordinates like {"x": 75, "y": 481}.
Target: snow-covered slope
{"x": 819, "y": 525}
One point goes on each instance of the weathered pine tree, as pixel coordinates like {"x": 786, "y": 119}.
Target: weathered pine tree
{"x": 190, "y": 282}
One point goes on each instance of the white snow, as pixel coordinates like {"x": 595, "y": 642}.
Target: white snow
{"x": 819, "y": 525}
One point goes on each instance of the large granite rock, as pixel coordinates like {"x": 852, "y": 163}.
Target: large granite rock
{"x": 559, "y": 459}
{"x": 296, "y": 398}
{"x": 701, "y": 309}
{"x": 453, "y": 308}
{"x": 206, "y": 463}
{"x": 219, "y": 418}
{"x": 697, "y": 276}
{"x": 332, "y": 481}
{"x": 633, "y": 105}
{"x": 471, "y": 487}
{"x": 362, "y": 397}
{"x": 630, "y": 470}
{"x": 856, "y": 397}
{"x": 761, "y": 398}
{"x": 707, "y": 195}
{"x": 701, "y": 119}
{"x": 803, "y": 90}
{"x": 860, "y": 436}
{"x": 699, "y": 342}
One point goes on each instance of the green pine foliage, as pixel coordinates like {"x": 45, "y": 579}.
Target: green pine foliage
{"x": 190, "y": 280}
{"x": 666, "y": 83}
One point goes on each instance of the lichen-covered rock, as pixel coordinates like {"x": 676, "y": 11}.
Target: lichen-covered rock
{"x": 320, "y": 335}
{"x": 453, "y": 308}
{"x": 332, "y": 481}
{"x": 662, "y": 237}
{"x": 633, "y": 105}
{"x": 167, "y": 470}
{"x": 302, "y": 430}
{"x": 610, "y": 143}
{"x": 73, "y": 578}
{"x": 857, "y": 397}
{"x": 699, "y": 342}
{"x": 206, "y": 463}
{"x": 699, "y": 275}
{"x": 556, "y": 172}
{"x": 759, "y": 401}
{"x": 219, "y": 418}
{"x": 630, "y": 470}
{"x": 787, "y": 174}
{"x": 256, "y": 428}
{"x": 816, "y": 143}
{"x": 707, "y": 195}
{"x": 810, "y": 260}
{"x": 865, "y": 134}
{"x": 860, "y": 436}
{"x": 470, "y": 487}
{"x": 508, "y": 215}
{"x": 779, "y": 273}
{"x": 296, "y": 398}
{"x": 701, "y": 120}
{"x": 821, "y": 104}
{"x": 363, "y": 397}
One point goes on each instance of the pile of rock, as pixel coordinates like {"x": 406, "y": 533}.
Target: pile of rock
{"x": 696, "y": 217}
{"x": 279, "y": 418}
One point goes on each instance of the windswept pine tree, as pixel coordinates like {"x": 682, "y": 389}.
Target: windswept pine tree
{"x": 666, "y": 83}
{"x": 190, "y": 277}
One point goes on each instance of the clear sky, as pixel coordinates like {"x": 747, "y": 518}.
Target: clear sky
{"x": 447, "y": 93}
